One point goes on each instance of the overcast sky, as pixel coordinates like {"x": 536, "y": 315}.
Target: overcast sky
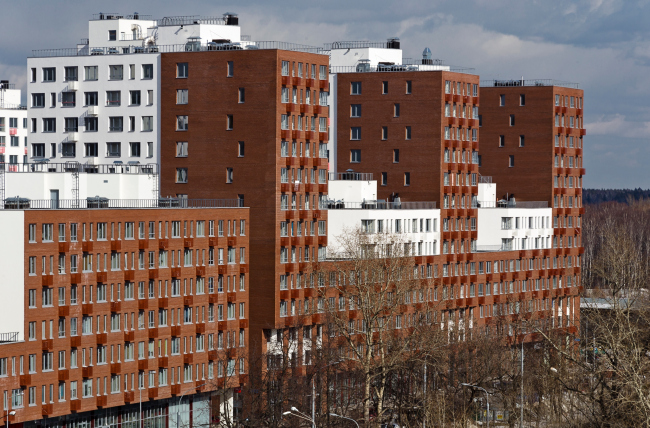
{"x": 604, "y": 45}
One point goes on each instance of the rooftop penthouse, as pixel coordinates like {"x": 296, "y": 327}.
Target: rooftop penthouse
{"x": 98, "y": 202}
{"x": 529, "y": 82}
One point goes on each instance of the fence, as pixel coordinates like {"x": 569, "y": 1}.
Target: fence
{"x": 150, "y": 168}
{"x": 105, "y": 203}
{"x": 380, "y": 205}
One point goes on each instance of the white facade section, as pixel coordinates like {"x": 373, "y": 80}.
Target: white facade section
{"x": 505, "y": 229}
{"x": 40, "y": 186}
{"x": 352, "y": 190}
{"x": 111, "y": 112}
{"x": 351, "y": 57}
{"x": 12, "y": 266}
{"x": 13, "y": 125}
{"x": 418, "y": 227}
{"x": 487, "y": 192}
{"x": 174, "y": 34}
{"x": 118, "y": 32}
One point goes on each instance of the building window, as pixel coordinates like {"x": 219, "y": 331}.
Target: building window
{"x": 521, "y": 141}
{"x": 355, "y": 133}
{"x": 38, "y": 100}
{"x": 240, "y": 149}
{"x": 407, "y": 133}
{"x": 181, "y": 175}
{"x": 71, "y": 74}
{"x": 229, "y": 175}
{"x": 395, "y": 155}
{"x": 511, "y": 161}
{"x": 181, "y": 149}
{"x": 112, "y": 35}
{"x": 355, "y": 110}
{"x": 522, "y": 99}
{"x": 113, "y": 149}
{"x": 147, "y": 71}
{"x": 384, "y": 87}
{"x": 135, "y": 98}
{"x": 134, "y": 150}
{"x": 71, "y": 124}
{"x": 68, "y": 99}
{"x": 147, "y": 123}
{"x": 181, "y": 96}
{"x": 115, "y": 72}
{"x": 90, "y": 72}
{"x": 91, "y": 98}
{"x": 91, "y": 124}
{"x": 68, "y": 150}
{"x": 355, "y": 88}
{"x": 49, "y": 74}
{"x": 49, "y": 124}
{"x": 384, "y": 178}
{"x": 407, "y": 178}
{"x": 181, "y": 123}
{"x": 384, "y": 133}
{"x": 229, "y": 122}
{"x": 113, "y": 98}
{"x": 181, "y": 70}
{"x": 396, "y": 110}
{"x": 502, "y": 100}
{"x": 231, "y": 69}
{"x": 242, "y": 95}
{"x": 115, "y": 123}
{"x": 91, "y": 150}
{"x": 409, "y": 86}
{"x": 502, "y": 140}
{"x": 38, "y": 150}
{"x": 512, "y": 120}
{"x": 355, "y": 156}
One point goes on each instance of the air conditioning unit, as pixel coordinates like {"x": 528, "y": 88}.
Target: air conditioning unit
{"x": 73, "y": 85}
{"x": 73, "y": 136}
{"x": 93, "y": 110}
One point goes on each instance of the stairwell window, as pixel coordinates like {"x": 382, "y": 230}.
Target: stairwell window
{"x": 231, "y": 69}
{"x": 396, "y": 110}
{"x": 522, "y": 99}
{"x": 408, "y": 133}
{"x": 521, "y": 141}
{"x": 384, "y": 87}
{"x": 229, "y": 175}
{"x": 242, "y": 95}
{"x": 502, "y": 100}
{"x": 181, "y": 175}
{"x": 384, "y": 132}
{"x": 181, "y": 96}
{"x": 181, "y": 70}
{"x": 512, "y": 120}
{"x": 511, "y": 161}
{"x": 181, "y": 123}
{"x": 409, "y": 86}
{"x": 407, "y": 179}
{"x": 355, "y": 88}
{"x": 229, "y": 122}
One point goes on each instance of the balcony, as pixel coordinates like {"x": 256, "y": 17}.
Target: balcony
{"x": 232, "y": 241}
{"x": 47, "y": 280}
{"x": 152, "y": 393}
{"x": 75, "y": 278}
{"x": 129, "y": 396}
{"x": 163, "y": 244}
{"x": 153, "y": 333}
{"x": 212, "y": 241}
{"x": 188, "y": 358}
{"x": 116, "y": 306}
{"x": 200, "y": 328}
{"x": 64, "y": 311}
{"x": 232, "y": 297}
{"x": 87, "y": 372}
{"x": 25, "y": 380}
{"x": 200, "y": 271}
{"x": 143, "y": 244}
{"x": 143, "y": 365}
{"x": 101, "y": 277}
{"x": 188, "y": 300}
{"x": 153, "y": 273}
{"x": 75, "y": 406}
{"x": 188, "y": 242}
{"x": 143, "y": 304}
{"x": 64, "y": 247}
{"x": 87, "y": 246}
{"x": 102, "y": 401}
{"x": 47, "y": 409}
{"x": 75, "y": 341}
{"x": 176, "y": 272}
{"x": 47, "y": 344}
{"x": 243, "y": 268}
{"x": 176, "y": 389}
{"x": 212, "y": 355}
{"x": 243, "y": 323}
{"x": 163, "y": 362}
{"x": 102, "y": 338}
{"x": 176, "y": 331}
{"x": 129, "y": 336}
{"x": 116, "y": 368}
{"x": 129, "y": 275}
{"x": 163, "y": 302}
{"x": 116, "y": 245}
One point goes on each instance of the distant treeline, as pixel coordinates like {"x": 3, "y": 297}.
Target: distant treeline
{"x": 597, "y": 196}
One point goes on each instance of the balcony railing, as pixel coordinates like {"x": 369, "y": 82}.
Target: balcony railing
{"x": 350, "y": 176}
{"x": 105, "y": 203}
{"x": 367, "y": 68}
{"x": 9, "y": 337}
{"x": 380, "y": 205}
{"x": 115, "y": 168}
{"x": 85, "y": 50}
{"x": 513, "y": 204}
{"x": 530, "y": 82}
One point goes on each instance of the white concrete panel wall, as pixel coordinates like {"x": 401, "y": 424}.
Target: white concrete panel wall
{"x": 20, "y": 132}
{"x": 112, "y": 186}
{"x": 350, "y": 57}
{"x": 491, "y": 234}
{"x": 174, "y": 34}
{"x": 98, "y": 32}
{"x": 352, "y": 191}
{"x": 12, "y": 266}
{"x": 332, "y": 103}
{"x": 80, "y": 110}
{"x": 348, "y": 220}
{"x": 487, "y": 192}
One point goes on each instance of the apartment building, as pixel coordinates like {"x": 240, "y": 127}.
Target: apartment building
{"x": 13, "y": 125}
{"x": 99, "y": 103}
{"x": 277, "y": 166}
{"x": 112, "y": 307}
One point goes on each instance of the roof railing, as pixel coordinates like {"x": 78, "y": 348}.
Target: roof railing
{"x": 115, "y": 168}
{"x": 106, "y": 16}
{"x": 380, "y": 205}
{"x": 190, "y": 20}
{"x": 512, "y": 204}
{"x": 19, "y": 203}
{"x": 350, "y": 176}
{"x": 9, "y": 337}
{"x": 527, "y": 82}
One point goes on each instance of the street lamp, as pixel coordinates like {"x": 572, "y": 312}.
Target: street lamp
{"x": 178, "y": 408}
{"x": 297, "y": 413}
{"x": 487, "y": 399}
{"x": 343, "y": 417}
{"x": 12, "y": 413}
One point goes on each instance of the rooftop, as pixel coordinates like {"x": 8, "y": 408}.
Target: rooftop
{"x": 392, "y": 43}
{"x": 103, "y": 16}
{"x": 530, "y": 82}
{"x": 98, "y": 202}
{"x": 379, "y": 205}
{"x": 512, "y": 204}
{"x": 350, "y": 176}
{"x": 408, "y": 64}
